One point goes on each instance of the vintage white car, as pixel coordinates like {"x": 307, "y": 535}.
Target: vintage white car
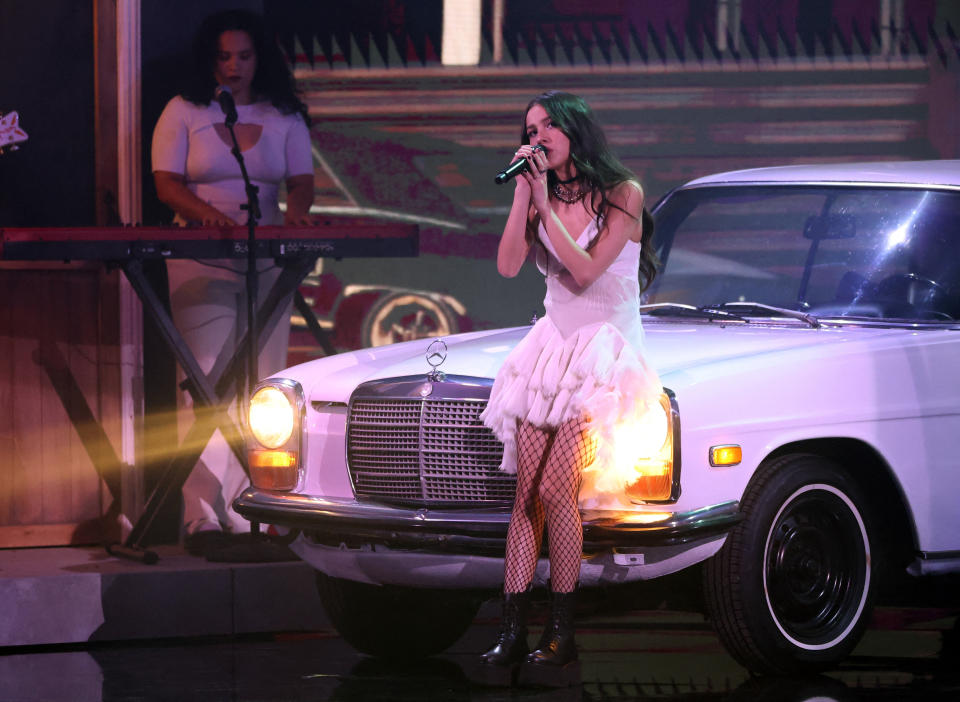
{"x": 806, "y": 328}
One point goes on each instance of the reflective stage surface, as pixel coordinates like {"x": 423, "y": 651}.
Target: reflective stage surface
{"x": 909, "y": 653}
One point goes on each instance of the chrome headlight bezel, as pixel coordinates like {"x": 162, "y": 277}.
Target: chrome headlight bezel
{"x": 670, "y": 450}
{"x": 278, "y": 467}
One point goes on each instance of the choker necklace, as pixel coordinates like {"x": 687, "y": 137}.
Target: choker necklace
{"x": 568, "y": 180}
{"x": 568, "y": 195}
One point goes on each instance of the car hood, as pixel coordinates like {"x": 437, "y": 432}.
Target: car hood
{"x": 673, "y": 349}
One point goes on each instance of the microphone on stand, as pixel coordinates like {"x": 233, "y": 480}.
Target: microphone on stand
{"x": 223, "y": 96}
{"x": 515, "y": 168}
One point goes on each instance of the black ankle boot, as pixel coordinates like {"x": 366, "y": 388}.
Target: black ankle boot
{"x": 500, "y": 663}
{"x": 554, "y": 662}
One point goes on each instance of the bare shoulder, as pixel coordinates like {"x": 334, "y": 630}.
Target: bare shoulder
{"x": 626, "y": 199}
{"x": 627, "y": 195}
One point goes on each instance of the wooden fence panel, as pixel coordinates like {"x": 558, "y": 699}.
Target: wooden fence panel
{"x": 59, "y": 405}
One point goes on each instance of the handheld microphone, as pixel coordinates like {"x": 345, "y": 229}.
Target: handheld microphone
{"x": 515, "y": 168}
{"x": 223, "y": 96}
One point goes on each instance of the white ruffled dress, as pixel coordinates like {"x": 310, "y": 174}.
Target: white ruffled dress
{"x": 583, "y": 358}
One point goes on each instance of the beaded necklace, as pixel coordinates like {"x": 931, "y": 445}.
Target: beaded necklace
{"x": 568, "y": 195}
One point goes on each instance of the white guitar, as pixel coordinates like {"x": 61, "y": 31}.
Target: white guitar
{"x": 10, "y": 132}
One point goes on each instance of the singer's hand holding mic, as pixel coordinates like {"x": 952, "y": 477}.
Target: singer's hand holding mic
{"x": 517, "y": 167}
{"x": 223, "y": 96}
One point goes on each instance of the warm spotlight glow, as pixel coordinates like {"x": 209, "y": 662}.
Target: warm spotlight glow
{"x": 272, "y": 417}
{"x": 640, "y": 437}
{"x": 644, "y": 453}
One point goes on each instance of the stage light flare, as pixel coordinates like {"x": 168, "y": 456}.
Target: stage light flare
{"x": 643, "y": 452}
{"x": 640, "y": 436}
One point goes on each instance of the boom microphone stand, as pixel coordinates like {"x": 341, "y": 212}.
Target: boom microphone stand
{"x": 225, "y": 98}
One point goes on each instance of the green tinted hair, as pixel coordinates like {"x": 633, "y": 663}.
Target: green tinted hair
{"x": 597, "y": 166}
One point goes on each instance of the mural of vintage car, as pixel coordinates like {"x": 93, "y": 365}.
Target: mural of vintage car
{"x": 356, "y": 316}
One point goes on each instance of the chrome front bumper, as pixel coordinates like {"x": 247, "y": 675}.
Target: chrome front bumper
{"x": 473, "y": 530}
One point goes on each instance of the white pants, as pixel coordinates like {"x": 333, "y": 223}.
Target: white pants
{"x": 209, "y": 309}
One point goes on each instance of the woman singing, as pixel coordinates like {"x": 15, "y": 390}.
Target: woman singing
{"x": 559, "y": 394}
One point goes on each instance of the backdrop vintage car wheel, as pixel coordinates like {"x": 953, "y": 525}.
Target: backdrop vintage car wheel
{"x": 791, "y": 590}
{"x": 404, "y": 316}
{"x": 395, "y": 622}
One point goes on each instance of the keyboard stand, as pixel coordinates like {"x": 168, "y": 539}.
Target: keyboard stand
{"x": 212, "y": 393}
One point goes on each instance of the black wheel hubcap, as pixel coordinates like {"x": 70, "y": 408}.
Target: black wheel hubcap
{"x": 816, "y": 567}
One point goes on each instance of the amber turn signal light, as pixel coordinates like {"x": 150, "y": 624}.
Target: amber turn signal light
{"x": 273, "y": 470}
{"x": 727, "y": 455}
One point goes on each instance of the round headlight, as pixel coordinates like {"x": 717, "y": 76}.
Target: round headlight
{"x": 641, "y": 436}
{"x": 271, "y": 417}
{"x": 651, "y": 431}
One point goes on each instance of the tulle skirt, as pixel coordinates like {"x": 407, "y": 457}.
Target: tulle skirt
{"x": 548, "y": 380}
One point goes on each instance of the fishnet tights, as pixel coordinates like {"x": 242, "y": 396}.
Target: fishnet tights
{"x": 549, "y": 465}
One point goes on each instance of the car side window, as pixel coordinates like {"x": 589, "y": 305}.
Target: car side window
{"x": 833, "y": 251}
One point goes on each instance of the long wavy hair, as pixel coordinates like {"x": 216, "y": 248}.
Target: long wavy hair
{"x": 597, "y": 168}
{"x": 272, "y": 79}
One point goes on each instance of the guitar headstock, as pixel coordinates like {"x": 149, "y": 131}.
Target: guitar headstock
{"x": 10, "y": 132}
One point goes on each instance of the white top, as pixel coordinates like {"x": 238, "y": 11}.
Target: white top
{"x": 185, "y": 141}
{"x": 613, "y": 297}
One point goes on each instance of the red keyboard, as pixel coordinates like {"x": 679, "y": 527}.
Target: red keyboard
{"x": 330, "y": 237}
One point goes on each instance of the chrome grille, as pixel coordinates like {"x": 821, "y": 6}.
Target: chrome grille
{"x": 425, "y": 450}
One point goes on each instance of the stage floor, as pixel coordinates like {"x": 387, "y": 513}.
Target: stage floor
{"x": 72, "y": 595}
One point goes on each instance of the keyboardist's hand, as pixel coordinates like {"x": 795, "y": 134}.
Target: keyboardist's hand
{"x": 174, "y": 193}
{"x": 299, "y": 198}
{"x": 219, "y": 220}
{"x": 292, "y": 220}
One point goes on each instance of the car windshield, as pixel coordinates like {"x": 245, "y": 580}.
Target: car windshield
{"x": 840, "y": 251}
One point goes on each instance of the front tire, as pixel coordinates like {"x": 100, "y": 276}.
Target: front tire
{"x": 792, "y": 588}
{"x": 395, "y": 623}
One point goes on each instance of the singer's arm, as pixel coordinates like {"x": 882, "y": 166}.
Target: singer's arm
{"x": 514, "y": 244}
{"x": 174, "y": 193}
{"x": 299, "y": 199}
{"x": 622, "y": 222}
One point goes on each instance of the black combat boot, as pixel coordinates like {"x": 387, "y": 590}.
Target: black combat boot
{"x": 499, "y": 664}
{"x": 554, "y": 662}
